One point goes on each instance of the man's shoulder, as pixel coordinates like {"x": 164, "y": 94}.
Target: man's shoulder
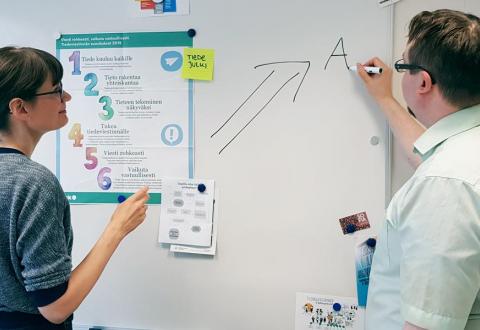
{"x": 457, "y": 158}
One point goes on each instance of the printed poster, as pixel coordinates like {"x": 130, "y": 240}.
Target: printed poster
{"x": 130, "y": 117}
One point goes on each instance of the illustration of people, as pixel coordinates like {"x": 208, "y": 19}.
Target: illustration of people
{"x": 319, "y": 316}
{"x": 330, "y": 318}
{"x": 308, "y": 308}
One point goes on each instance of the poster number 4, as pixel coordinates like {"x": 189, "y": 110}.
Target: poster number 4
{"x": 76, "y": 135}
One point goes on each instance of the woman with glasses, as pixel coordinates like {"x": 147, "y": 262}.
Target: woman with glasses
{"x": 426, "y": 268}
{"x": 38, "y": 289}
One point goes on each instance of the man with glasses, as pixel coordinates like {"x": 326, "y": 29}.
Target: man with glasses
{"x": 426, "y": 268}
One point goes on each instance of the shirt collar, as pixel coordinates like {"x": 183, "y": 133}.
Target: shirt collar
{"x": 4, "y": 150}
{"x": 453, "y": 124}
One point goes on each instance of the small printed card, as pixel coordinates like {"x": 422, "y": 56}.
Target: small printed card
{"x": 359, "y": 220}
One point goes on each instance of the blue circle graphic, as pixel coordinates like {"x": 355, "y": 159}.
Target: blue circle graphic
{"x": 172, "y": 135}
{"x": 171, "y": 61}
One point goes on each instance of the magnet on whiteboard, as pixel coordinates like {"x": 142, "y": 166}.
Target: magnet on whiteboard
{"x": 374, "y": 140}
{"x": 201, "y": 187}
{"x": 191, "y": 33}
{"x": 371, "y": 242}
{"x": 350, "y": 228}
{"x": 58, "y": 35}
{"x": 337, "y": 307}
{"x": 121, "y": 199}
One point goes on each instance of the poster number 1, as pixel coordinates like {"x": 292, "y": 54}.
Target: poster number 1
{"x": 75, "y": 58}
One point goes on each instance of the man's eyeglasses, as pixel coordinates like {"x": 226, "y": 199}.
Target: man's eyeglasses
{"x": 58, "y": 90}
{"x": 401, "y": 67}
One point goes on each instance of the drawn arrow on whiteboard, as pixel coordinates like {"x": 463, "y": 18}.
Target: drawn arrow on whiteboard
{"x": 307, "y": 67}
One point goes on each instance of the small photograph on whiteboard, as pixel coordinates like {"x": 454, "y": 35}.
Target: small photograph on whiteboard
{"x": 186, "y": 215}
{"x": 385, "y": 3}
{"x": 354, "y": 222}
{"x": 315, "y": 311}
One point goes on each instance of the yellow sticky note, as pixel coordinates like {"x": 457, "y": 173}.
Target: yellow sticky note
{"x": 198, "y": 63}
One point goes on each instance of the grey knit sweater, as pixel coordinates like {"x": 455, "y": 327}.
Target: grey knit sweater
{"x": 35, "y": 232}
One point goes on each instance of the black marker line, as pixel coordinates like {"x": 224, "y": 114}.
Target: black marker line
{"x": 248, "y": 98}
{"x": 278, "y": 91}
{"x": 332, "y": 54}
{"x": 284, "y": 62}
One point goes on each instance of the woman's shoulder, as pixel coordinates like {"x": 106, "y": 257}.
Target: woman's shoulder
{"x": 32, "y": 173}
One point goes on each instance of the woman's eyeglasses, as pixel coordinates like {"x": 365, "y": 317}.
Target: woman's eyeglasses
{"x": 58, "y": 90}
{"x": 401, "y": 67}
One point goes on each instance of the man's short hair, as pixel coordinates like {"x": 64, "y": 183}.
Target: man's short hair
{"x": 447, "y": 44}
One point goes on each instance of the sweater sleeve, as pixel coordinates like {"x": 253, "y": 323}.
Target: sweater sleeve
{"x": 42, "y": 242}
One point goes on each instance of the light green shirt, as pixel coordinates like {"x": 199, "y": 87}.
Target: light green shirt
{"x": 426, "y": 267}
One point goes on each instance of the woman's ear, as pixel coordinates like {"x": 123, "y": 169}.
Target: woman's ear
{"x": 17, "y": 109}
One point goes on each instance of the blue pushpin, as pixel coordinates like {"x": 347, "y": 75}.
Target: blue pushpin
{"x": 191, "y": 33}
{"x": 371, "y": 242}
{"x": 337, "y": 307}
{"x": 350, "y": 228}
{"x": 121, "y": 199}
{"x": 201, "y": 187}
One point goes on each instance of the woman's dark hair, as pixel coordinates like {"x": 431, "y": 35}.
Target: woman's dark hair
{"x": 447, "y": 44}
{"x": 22, "y": 72}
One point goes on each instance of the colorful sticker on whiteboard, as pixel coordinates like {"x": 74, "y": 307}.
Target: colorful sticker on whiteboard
{"x": 161, "y": 8}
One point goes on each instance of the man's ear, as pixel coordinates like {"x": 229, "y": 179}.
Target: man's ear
{"x": 17, "y": 109}
{"x": 426, "y": 83}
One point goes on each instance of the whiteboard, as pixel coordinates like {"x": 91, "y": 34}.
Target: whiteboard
{"x": 283, "y": 182}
